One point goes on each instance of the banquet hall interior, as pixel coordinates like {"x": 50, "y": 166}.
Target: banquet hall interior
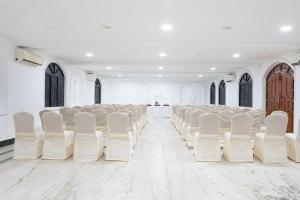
{"x": 153, "y": 100}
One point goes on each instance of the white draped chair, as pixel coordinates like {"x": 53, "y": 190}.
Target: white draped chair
{"x": 270, "y": 146}
{"x": 58, "y": 143}
{"x": 187, "y": 122}
{"x": 70, "y": 116}
{"x": 131, "y": 126}
{"x": 238, "y": 143}
{"x": 293, "y": 145}
{"x": 207, "y": 143}
{"x": 225, "y": 121}
{"x": 193, "y": 128}
{"x": 119, "y": 140}
{"x": 62, "y": 111}
{"x": 86, "y": 109}
{"x": 28, "y": 142}
{"x": 101, "y": 116}
{"x": 258, "y": 120}
{"x": 89, "y": 143}
{"x": 41, "y": 116}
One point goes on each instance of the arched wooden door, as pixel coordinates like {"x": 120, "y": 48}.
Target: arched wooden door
{"x": 280, "y": 92}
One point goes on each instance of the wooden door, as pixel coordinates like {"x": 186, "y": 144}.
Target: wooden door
{"x": 280, "y": 92}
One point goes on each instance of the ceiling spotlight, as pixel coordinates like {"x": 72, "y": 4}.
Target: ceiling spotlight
{"x": 236, "y": 55}
{"x": 226, "y": 27}
{"x": 160, "y": 68}
{"x": 162, "y": 54}
{"x": 120, "y": 75}
{"x": 286, "y": 28}
{"x": 106, "y": 27}
{"x": 213, "y": 68}
{"x": 89, "y": 54}
{"x": 166, "y": 27}
{"x": 159, "y": 75}
{"x": 200, "y": 75}
{"x": 108, "y": 67}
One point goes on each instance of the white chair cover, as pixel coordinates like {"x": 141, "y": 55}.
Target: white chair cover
{"x": 89, "y": 143}
{"x": 41, "y": 116}
{"x": 293, "y": 145}
{"x": 119, "y": 141}
{"x": 59, "y": 144}
{"x": 193, "y": 128}
{"x": 238, "y": 142}
{"x": 207, "y": 144}
{"x": 28, "y": 142}
{"x": 271, "y": 146}
{"x": 70, "y": 118}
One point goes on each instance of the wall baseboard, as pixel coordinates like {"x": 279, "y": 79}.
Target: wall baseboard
{"x": 7, "y": 142}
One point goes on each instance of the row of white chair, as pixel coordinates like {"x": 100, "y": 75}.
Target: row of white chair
{"x": 57, "y": 142}
{"x": 272, "y": 145}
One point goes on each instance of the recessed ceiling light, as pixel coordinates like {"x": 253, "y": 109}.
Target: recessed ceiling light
{"x": 166, "y": 27}
{"x": 120, "y": 75}
{"x": 89, "y": 54}
{"x": 236, "y": 55}
{"x": 226, "y": 27}
{"x": 159, "y": 75}
{"x": 108, "y": 67}
{"x": 286, "y": 28}
{"x": 162, "y": 54}
{"x": 213, "y": 68}
{"x": 106, "y": 27}
{"x": 160, "y": 68}
{"x": 200, "y": 75}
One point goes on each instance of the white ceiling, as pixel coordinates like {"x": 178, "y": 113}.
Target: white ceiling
{"x": 67, "y": 29}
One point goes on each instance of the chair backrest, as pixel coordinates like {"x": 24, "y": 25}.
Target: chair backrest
{"x": 280, "y": 112}
{"x": 195, "y": 118}
{"x": 62, "y": 111}
{"x": 41, "y": 116}
{"x": 53, "y": 123}
{"x": 241, "y": 124}
{"x": 225, "y": 119}
{"x": 86, "y": 109}
{"x": 77, "y": 107}
{"x": 276, "y": 124}
{"x": 85, "y": 123}
{"x": 101, "y": 116}
{"x": 70, "y": 114}
{"x": 130, "y": 116}
{"x": 188, "y": 115}
{"x": 117, "y": 123}
{"x": 209, "y": 124}
{"x": 24, "y": 124}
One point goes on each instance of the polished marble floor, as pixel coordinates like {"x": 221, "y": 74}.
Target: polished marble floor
{"x": 162, "y": 169}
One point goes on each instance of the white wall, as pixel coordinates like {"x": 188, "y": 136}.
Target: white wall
{"x": 22, "y": 88}
{"x": 135, "y": 92}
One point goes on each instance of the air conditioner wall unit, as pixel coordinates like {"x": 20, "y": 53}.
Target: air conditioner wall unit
{"x": 229, "y": 78}
{"x": 23, "y": 55}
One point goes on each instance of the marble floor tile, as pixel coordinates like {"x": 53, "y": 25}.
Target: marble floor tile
{"x": 162, "y": 168}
